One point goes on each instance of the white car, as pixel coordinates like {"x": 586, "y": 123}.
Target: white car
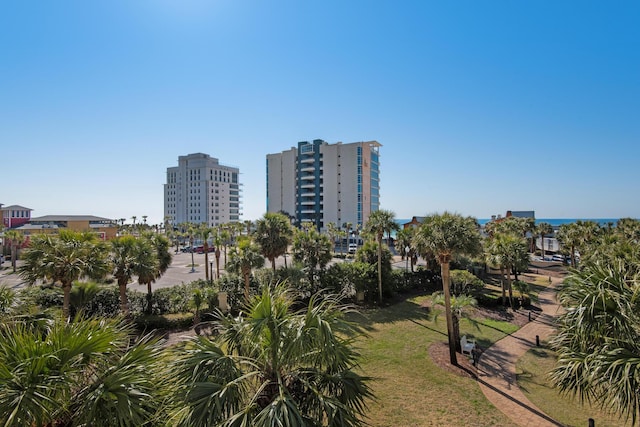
{"x": 353, "y": 247}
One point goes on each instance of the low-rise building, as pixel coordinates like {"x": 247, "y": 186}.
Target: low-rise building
{"x": 105, "y": 228}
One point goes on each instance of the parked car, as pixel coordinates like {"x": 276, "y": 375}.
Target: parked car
{"x": 353, "y": 247}
{"x": 200, "y": 249}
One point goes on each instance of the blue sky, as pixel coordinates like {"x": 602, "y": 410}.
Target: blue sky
{"x": 481, "y": 106}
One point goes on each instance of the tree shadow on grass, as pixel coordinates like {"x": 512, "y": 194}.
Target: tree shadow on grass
{"x": 403, "y": 310}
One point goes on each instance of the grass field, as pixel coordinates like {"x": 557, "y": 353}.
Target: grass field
{"x": 531, "y": 372}
{"x": 411, "y": 390}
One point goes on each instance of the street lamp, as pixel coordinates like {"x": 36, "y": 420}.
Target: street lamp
{"x": 406, "y": 254}
{"x": 193, "y": 264}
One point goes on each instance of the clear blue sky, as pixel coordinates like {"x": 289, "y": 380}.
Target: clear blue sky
{"x": 481, "y": 106}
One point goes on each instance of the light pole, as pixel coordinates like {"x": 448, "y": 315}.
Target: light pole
{"x": 406, "y": 255}
{"x": 211, "y": 264}
{"x": 193, "y": 264}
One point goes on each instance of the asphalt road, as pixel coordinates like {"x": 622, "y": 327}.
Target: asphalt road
{"x": 179, "y": 272}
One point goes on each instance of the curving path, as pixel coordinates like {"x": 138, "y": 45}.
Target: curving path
{"x": 497, "y": 365}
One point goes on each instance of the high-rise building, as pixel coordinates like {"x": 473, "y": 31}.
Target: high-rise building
{"x": 201, "y": 190}
{"x": 325, "y": 183}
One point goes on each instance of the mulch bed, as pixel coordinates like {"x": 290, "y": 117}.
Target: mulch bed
{"x": 439, "y": 351}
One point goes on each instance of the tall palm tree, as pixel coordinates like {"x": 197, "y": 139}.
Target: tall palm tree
{"x": 275, "y": 366}
{"x": 332, "y": 231}
{"x": 598, "y": 339}
{"x": 570, "y": 237}
{"x": 204, "y": 232}
{"x": 543, "y": 229}
{"x": 447, "y": 235}
{"x": 130, "y": 257}
{"x": 312, "y": 249}
{"x": 508, "y": 252}
{"x": 379, "y": 223}
{"x": 273, "y": 234}
{"x": 158, "y": 246}
{"x": 16, "y": 238}
{"x": 84, "y": 372}
{"x": 217, "y": 241}
{"x": 242, "y": 259}
{"x": 64, "y": 259}
{"x": 347, "y": 226}
{"x": 248, "y": 224}
{"x": 460, "y": 304}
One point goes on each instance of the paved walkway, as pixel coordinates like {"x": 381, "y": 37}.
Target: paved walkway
{"x": 497, "y": 366}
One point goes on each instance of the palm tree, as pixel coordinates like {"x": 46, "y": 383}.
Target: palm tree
{"x": 312, "y": 249}
{"x": 275, "y": 366}
{"x": 16, "y": 238}
{"x": 379, "y": 223}
{"x": 84, "y": 372}
{"x": 204, "y": 232}
{"x": 347, "y": 226}
{"x": 404, "y": 241}
{"x": 217, "y": 241}
{"x": 459, "y": 308}
{"x": 598, "y": 339}
{"x": 64, "y": 259}
{"x": 147, "y": 274}
{"x": 248, "y": 223}
{"x": 508, "y": 252}
{"x": 332, "y": 231}
{"x": 447, "y": 235}
{"x": 130, "y": 256}
{"x": 273, "y": 234}
{"x": 242, "y": 259}
{"x": 543, "y": 229}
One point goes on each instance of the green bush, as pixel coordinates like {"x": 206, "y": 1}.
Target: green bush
{"x": 150, "y": 322}
{"x": 43, "y": 296}
{"x": 106, "y": 302}
{"x": 465, "y": 283}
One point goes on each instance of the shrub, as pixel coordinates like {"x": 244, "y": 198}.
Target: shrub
{"x": 149, "y": 322}
{"x": 464, "y": 282}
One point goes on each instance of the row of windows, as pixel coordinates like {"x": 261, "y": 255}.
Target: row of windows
{"x": 19, "y": 214}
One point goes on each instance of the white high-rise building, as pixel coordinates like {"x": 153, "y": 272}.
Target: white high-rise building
{"x": 325, "y": 183}
{"x": 201, "y": 190}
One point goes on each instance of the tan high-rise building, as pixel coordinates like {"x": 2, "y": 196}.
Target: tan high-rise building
{"x": 325, "y": 183}
{"x": 201, "y": 190}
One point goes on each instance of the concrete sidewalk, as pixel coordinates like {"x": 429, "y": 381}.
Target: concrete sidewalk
{"x": 497, "y": 365}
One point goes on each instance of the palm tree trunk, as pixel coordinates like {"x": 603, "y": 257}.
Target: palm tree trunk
{"x": 66, "y": 302}
{"x": 542, "y": 245}
{"x": 380, "y": 267}
{"x": 149, "y": 297}
{"x": 14, "y": 254}
{"x": 205, "y": 246}
{"x": 246, "y": 284}
{"x": 446, "y": 282}
{"x": 504, "y": 292}
{"x": 509, "y": 287}
{"x": 217, "y": 263}
{"x": 124, "y": 306}
{"x": 456, "y": 332}
{"x": 273, "y": 264}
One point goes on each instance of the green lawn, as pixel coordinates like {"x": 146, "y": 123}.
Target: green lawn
{"x": 531, "y": 372}
{"x": 410, "y": 389}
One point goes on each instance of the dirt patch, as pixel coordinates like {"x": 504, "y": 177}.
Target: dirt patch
{"x": 439, "y": 353}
